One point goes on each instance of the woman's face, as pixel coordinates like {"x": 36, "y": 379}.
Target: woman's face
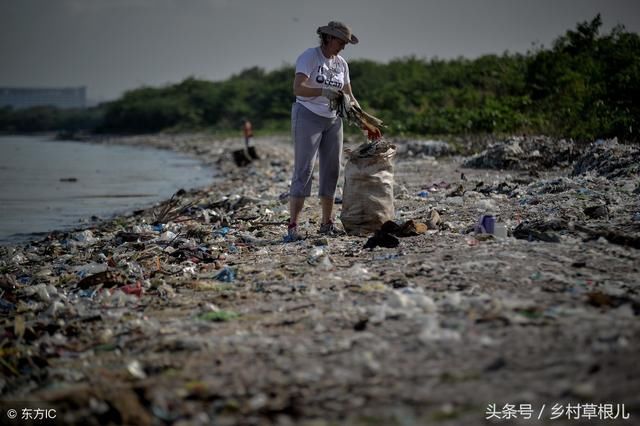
{"x": 336, "y": 45}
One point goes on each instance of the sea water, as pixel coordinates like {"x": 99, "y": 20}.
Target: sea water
{"x": 48, "y": 185}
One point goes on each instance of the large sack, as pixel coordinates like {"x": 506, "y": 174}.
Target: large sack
{"x": 367, "y": 194}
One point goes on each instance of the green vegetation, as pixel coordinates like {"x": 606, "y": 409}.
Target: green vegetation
{"x": 46, "y": 118}
{"x": 585, "y": 86}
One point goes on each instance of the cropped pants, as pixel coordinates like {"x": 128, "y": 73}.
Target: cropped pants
{"x": 315, "y": 135}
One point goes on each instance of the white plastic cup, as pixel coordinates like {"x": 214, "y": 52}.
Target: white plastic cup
{"x": 500, "y": 230}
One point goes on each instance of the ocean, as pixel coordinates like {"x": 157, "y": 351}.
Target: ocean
{"x": 48, "y": 185}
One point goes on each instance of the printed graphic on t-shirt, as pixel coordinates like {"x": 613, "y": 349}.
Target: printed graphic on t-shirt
{"x": 330, "y": 75}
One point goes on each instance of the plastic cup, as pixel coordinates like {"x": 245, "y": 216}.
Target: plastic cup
{"x": 500, "y": 230}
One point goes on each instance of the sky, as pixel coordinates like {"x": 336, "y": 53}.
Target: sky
{"x": 111, "y": 46}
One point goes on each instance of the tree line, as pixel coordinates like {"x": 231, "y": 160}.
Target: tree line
{"x": 585, "y": 86}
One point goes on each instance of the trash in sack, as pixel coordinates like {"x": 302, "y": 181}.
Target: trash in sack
{"x": 356, "y": 116}
{"x": 367, "y": 195}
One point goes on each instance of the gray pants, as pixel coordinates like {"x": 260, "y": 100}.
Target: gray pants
{"x": 312, "y": 135}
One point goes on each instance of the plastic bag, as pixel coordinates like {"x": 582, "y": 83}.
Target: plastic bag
{"x": 367, "y": 198}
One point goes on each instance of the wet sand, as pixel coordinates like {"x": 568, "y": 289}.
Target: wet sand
{"x": 208, "y": 318}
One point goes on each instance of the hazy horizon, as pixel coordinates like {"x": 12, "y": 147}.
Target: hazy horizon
{"x": 111, "y": 46}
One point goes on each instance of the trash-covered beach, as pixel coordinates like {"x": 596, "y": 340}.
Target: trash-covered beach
{"x": 195, "y": 311}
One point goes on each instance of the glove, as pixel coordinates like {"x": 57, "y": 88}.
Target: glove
{"x": 344, "y": 106}
{"x": 331, "y": 93}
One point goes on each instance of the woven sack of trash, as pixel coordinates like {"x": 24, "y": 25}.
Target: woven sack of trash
{"x": 367, "y": 194}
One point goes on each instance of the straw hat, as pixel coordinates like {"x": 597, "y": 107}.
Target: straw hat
{"x": 340, "y": 30}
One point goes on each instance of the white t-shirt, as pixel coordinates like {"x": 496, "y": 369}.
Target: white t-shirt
{"x": 321, "y": 71}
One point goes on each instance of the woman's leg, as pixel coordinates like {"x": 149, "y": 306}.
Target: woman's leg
{"x": 330, "y": 151}
{"x": 306, "y": 131}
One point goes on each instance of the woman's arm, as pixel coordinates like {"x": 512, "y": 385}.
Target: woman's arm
{"x": 347, "y": 89}
{"x": 301, "y": 88}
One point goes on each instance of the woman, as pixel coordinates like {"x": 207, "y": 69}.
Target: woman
{"x": 322, "y": 76}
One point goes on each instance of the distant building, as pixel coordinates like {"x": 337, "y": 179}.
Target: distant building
{"x": 27, "y": 97}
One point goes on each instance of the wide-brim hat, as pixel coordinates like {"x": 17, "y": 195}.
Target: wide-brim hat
{"x": 340, "y": 30}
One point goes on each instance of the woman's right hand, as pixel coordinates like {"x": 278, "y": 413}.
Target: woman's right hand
{"x": 331, "y": 93}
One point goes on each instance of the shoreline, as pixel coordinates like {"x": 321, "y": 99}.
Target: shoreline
{"x": 97, "y": 218}
{"x": 199, "y": 313}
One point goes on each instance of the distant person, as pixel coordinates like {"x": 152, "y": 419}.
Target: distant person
{"x": 322, "y": 76}
{"x": 248, "y": 133}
